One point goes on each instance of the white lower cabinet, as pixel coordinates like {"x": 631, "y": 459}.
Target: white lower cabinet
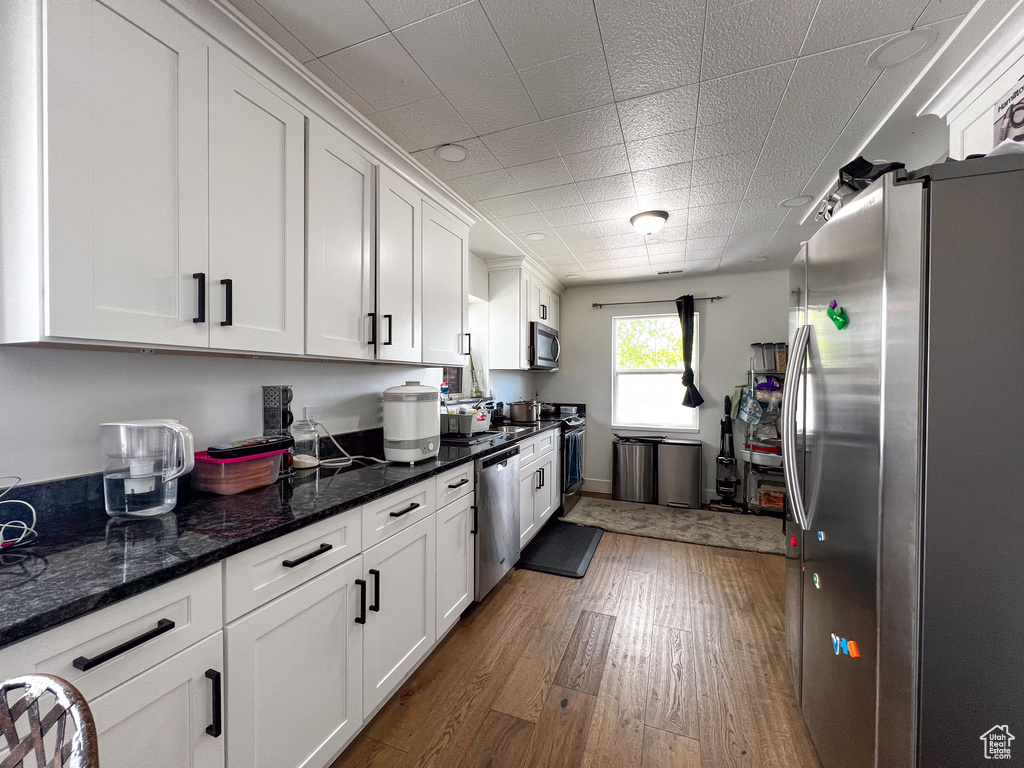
{"x": 454, "y": 561}
{"x": 400, "y": 624}
{"x": 540, "y": 484}
{"x": 546, "y": 497}
{"x": 160, "y": 719}
{"x": 528, "y": 479}
{"x": 295, "y": 672}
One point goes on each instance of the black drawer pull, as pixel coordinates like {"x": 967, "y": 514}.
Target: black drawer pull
{"x": 305, "y": 558}
{"x": 543, "y": 477}
{"x": 459, "y": 484}
{"x": 375, "y": 605}
{"x": 469, "y": 343}
{"x": 373, "y": 329}
{"x": 215, "y": 728}
{"x": 361, "y": 618}
{"x": 85, "y": 664}
{"x": 407, "y": 510}
{"x": 201, "y": 315}
{"x": 475, "y": 523}
{"x": 391, "y": 330}
{"x": 228, "y": 302}
{"x": 540, "y": 480}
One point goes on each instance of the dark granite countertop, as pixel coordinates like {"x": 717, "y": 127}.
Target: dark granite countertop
{"x": 91, "y": 560}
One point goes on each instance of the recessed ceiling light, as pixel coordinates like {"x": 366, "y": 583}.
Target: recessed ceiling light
{"x": 649, "y": 222}
{"x": 571, "y": 276}
{"x": 451, "y": 153}
{"x": 902, "y": 48}
{"x": 796, "y": 202}
{"x": 536, "y": 236}
{"x": 758, "y": 259}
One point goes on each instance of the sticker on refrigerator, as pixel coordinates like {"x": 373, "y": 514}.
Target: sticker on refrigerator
{"x": 846, "y": 647}
{"x": 838, "y": 315}
{"x": 997, "y": 741}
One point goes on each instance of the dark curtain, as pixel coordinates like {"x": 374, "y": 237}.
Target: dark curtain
{"x": 691, "y": 397}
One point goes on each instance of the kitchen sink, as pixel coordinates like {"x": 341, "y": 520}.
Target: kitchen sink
{"x": 510, "y": 429}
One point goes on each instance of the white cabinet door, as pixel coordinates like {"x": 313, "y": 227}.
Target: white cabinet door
{"x": 340, "y": 269}
{"x": 533, "y": 290}
{"x": 401, "y": 624}
{"x": 127, "y": 164}
{"x": 295, "y": 674}
{"x": 528, "y": 481}
{"x": 454, "y": 561}
{"x": 546, "y": 498}
{"x": 554, "y": 311}
{"x": 160, "y": 718}
{"x": 445, "y": 288}
{"x": 399, "y": 264}
{"x": 257, "y": 214}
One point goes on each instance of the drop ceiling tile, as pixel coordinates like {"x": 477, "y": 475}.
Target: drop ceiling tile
{"x": 660, "y": 113}
{"x": 603, "y": 274}
{"x": 545, "y": 173}
{"x": 624, "y": 240}
{"x": 587, "y": 130}
{"x": 550, "y": 198}
{"x": 666, "y": 268}
{"x": 755, "y": 33}
{"x": 527, "y": 222}
{"x": 596, "y": 229}
{"x": 522, "y": 145}
{"x": 785, "y": 242}
{"x": 495, "y": 104}
{"x": 381, "y": 72}
{"x": 396, "y": 135}
{"x": 664, "y": 201}
{"x": 839, "y": 22}
{"x": 751, "y": 96}
{"x": 509, "y": 205}
{"x": 674, "y": 231}
{"x": 660, "y": 250}
{"x": 596, "y": 163}
{"x": 651, "y": 44}
{"x": 570, "y": 84}
{"x": 457, "y": 47}
{"x": 265, "y": 21}
{"x": 398, "y": 13}
{"x": 562, "y": 217}
{"x": 480, "y": 160}
{"x": 711, "y": 220}
{"x": 605, "y": 264}
{"x": 613, "y": 209}
{"x": 670, "y": 149}
{"x": 712, "y": 194}
{"x": 324, "y": 26}
{"x": 629, "y": 252}
{"x": 717, "y": 169}
{"x": 730, "y": 138}
{"x": 759, "y": 215}
{"x": 535, "y": 31}
{"x": 483, "y": 186}
{"x": 781, "y": 187}
{"x": 940, "y": 10}
{"x": 606, "y": 188}
{"x": 550, "y": 246}
{"x": 704, "y": 266}
{"x": 746, "y": 245}
{"x": 560, "y": 259}
{"x": 635, "y": 272}
{"x": 429, "y": 122}
{"x": 662, "y": 179}
{"x": 339, "y": 86}
{"x": 705, "y": 248}
{"x": 589, "y": 249}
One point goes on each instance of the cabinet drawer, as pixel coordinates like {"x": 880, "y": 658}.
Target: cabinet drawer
{"x": 455, "y": 484}
{"x": 193, "y": 604}
{"x": 532, "y": 449}
{"x": 387, "y": 516}
{"x": 258, "y": 575}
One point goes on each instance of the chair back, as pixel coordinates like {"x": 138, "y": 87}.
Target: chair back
{"x": 41, "y": 713}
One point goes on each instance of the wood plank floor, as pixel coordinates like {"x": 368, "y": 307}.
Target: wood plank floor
{"x": 665, "y": 654}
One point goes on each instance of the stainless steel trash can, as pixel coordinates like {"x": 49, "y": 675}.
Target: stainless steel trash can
{"x": 633, "y": 465}
{"x": 679, "y": 465}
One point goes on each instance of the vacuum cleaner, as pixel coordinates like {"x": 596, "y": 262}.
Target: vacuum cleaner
{"x": 726, "y": 483}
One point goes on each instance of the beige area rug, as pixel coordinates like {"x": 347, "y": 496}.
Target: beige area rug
{"x": 693, "y": 526}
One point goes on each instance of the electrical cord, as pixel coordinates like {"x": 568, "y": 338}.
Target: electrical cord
{"x": 348, "y": 460}
{"x": 15, "y": 532}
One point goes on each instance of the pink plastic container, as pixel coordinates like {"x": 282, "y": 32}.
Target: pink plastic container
{"x": 230, "y": 476}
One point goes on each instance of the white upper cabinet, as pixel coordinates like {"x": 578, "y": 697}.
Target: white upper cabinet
{"x": 257, "y": 206}
{"x": 340, "y": 265}
{"x": 126, "y": 99}
{"x": 445, "y": 288}
{"x": 517, "y": 298}
{"x": 541, "y": 300}
{"x": 399, "y": 266}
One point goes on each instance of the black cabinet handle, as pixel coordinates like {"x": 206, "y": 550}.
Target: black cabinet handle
{"x": 324, "y": 548}
{"x": 391, "y": 330}
{"x": 85, "y": 664}
{"x": 373, "y": 329}
{"x": 228, "y": 302}
{"x": 215, "y": 728}
{"x": 475, "y": 523}
{"x": 469, "y": 343}
{"x": 459, "y": 484}
{"x": 361, "y": 618}
{"x": 201, "y": 314}
{"x": 543, "y": 311}
{"x": 540, "y": 480}
{"x": 375, "y": 605}
{"x": 407, "y": 510}
{"x": 543, "y": 477}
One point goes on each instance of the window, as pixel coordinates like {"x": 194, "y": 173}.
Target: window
{"x": 647, "y": 391}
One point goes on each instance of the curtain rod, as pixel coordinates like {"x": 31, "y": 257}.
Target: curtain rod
{"x": 597, "y": 305}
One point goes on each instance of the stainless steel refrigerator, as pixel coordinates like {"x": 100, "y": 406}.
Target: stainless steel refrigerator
{"x": 902, "y": 442}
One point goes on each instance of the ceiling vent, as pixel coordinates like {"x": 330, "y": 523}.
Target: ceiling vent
{"x": 672, "y": 272}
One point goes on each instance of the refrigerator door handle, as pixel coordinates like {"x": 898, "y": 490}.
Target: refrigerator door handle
{"x": 789, "y": 401}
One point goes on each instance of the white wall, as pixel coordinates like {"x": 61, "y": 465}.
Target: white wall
{"x": 755, "y": 309}
{"x": 53, "y": 401}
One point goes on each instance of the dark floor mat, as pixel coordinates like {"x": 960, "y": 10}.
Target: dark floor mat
{"x": 563, "y": 549}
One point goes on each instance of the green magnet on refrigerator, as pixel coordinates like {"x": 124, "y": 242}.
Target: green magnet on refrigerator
{"x": 838, "y": 315}
{"x": 816, "y": 580}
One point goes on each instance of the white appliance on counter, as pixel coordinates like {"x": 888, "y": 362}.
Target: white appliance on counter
{"x": 412, "y": 422}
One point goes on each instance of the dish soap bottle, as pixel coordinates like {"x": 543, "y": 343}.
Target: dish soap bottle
{"x": 307, "y": 441}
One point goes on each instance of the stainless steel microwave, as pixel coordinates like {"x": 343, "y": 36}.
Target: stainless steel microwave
{"x": 544, "y": 348}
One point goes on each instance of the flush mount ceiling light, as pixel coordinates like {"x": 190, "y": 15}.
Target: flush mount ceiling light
{"x": 649, "y": 222}
{"x": 536, "y": 236}
{"x": 902, "y": 48}
{"x": 451, "y": 153}
{"x": 796, "y": 202}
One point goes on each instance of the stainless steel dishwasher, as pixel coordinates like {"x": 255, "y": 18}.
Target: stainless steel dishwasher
{"x": 496, "y": 520}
